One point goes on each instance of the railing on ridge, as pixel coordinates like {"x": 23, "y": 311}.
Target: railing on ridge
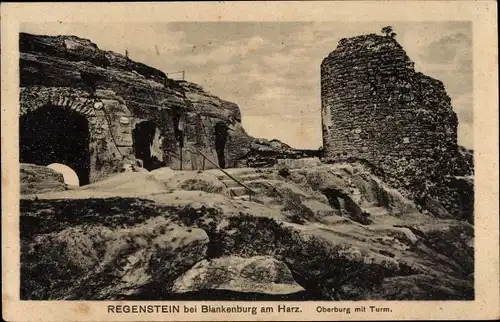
{"x": 250, "y": 190}
{"x": 183, "y": 72}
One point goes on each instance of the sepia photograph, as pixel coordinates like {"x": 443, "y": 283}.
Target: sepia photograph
{"x": 247, "y": 161}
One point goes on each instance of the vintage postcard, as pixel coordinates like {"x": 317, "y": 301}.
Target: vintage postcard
{"x": 295, "y": 161}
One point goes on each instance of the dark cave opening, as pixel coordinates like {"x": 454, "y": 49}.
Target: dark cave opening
{"x": 178, "y": 121}
{"x": 52, "y": 134}
{"x": 221, "y": 133}
{"x": 343, "y": 202}
{"x": 143, "y": 135}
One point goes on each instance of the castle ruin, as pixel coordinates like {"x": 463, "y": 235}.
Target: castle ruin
{"x": 378, "y": 110}
{"x": 97, "y": 111}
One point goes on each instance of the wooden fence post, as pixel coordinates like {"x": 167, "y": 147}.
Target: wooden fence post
{"x": 180, "y": 150}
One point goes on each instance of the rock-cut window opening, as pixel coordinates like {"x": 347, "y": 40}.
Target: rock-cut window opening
{"x": 221, "y": 133}
{"x": 53, "y": 134}
{"x": 143, "y": 138}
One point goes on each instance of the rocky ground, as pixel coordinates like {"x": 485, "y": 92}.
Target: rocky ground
{"x": 320, "y": 232}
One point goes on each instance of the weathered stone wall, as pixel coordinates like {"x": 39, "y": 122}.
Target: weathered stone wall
{"x": 376, "y": 108}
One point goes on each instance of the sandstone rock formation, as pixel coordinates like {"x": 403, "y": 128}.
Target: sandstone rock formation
{"x": 259, "y": 274}
{"x": 350, "y": 237}
{"x": 377, "y": 108}
{"x": 109, "y": 110}
{"x": 38, "y": 179}
{"x": 266, "y": 153}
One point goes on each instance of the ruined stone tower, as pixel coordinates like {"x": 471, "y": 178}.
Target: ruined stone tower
{"x": 376, "y": 108}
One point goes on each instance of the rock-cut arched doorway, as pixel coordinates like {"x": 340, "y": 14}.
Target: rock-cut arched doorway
{"x": 147, "y": 141}
{"x": 53, "y": 134}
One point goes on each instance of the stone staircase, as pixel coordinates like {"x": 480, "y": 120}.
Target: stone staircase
{"x": 247, "y": 176}
{"x": 252, "y": 177}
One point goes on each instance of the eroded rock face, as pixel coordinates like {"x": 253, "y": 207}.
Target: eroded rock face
{"x": 117, "y": 96}
{"x": 268, "y": 153}
{"x": 209, "y": 105}
{"x": 377, "y": 108}
{"x": 132, "y": 113}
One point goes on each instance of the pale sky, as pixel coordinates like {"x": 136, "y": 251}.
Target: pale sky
{"x": 272, "y": 69}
